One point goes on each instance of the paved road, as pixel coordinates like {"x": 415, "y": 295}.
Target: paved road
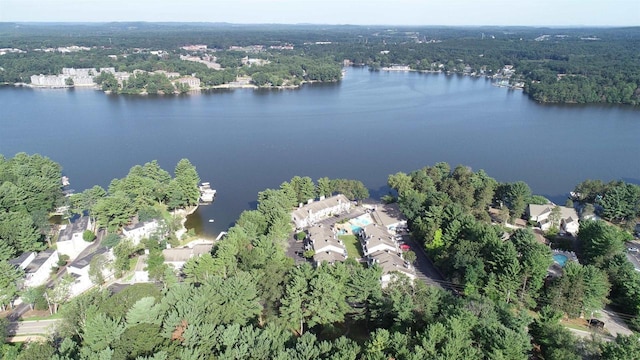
{"x": 425, "y": 270}
{"x": 40, "y": 327}
{"x": 589, "y": 334}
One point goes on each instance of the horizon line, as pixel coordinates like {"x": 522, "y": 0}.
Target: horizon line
{"x": 38, "y": 22}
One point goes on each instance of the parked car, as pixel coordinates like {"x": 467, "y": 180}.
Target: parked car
{"x": 405, "y": 247}
{"x": 632, "y": 249}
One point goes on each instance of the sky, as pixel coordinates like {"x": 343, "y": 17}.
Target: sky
{"x": 356, "y": 12}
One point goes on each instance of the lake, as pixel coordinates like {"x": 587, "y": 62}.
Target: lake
{"x": 365, "y": 127}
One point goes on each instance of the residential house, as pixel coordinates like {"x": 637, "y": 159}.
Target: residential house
{"x": 140, "y": 230}
{"x": 374, "y": 238}
{"x": 315, "y": 211}
{"x": 70, "y": 241}
{"x": 79, "y": 269}
{"x": 392, "y": 264}
{"x": 178, "y": 257}
{"x": 192, "y": 81}
{"x": 326, "y": 246}
{"x": 37, "y": 266}
{"x": 540, "y": 214}
{"x": 389, "y": 216}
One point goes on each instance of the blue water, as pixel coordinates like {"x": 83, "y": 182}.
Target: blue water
{"x": 560, "y": 259}
{"x": 245, "y": 141}
{"x": 356, "y": 229}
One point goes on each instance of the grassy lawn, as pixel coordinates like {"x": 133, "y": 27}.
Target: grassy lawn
{"x": 354, "y": 250}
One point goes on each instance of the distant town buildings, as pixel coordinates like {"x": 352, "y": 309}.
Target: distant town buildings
{"x": 194, "y": 47}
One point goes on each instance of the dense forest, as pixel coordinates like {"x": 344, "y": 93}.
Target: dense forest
{"x": 247, "y": 300}
{"x": 590, "y": 65}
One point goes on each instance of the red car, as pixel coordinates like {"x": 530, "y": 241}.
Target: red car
{"x": 405, "y": 247}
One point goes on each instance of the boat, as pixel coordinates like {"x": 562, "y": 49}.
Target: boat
{"x": 210, "y": 220}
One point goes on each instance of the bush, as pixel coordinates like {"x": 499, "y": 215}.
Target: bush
{"x": 308, "y": 254}
{"x": 301, "y": 236}
{"x": 88, "y": 236}
{"x": 111, "y": 240}
{"x": 62, "y": 260}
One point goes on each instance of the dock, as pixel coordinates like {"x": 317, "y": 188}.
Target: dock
{"x": 207, "y": 194}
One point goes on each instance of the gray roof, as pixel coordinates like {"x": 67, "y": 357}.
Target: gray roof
{"x": 40, "y": 259}
{"x": 184, "y": 254}
{"x": 322, "y": 236}
{"x": 320, "y": 205}
{"x": 139, "y": 224}
{"x": 74, "y": 227}
{"x": 20, "y": 259}
{"x": 390, "y": 261}
{"x": 388, "y": 214}
{"x": 374, "y": 235}
{"x": 83, "y": 262}
{"x": 328, "y": 256}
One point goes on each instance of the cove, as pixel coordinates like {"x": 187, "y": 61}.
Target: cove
{"x": 367, "y": 126}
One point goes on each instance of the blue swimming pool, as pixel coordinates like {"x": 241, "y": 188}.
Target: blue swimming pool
{"x": 560, "y": 259}
{"x": 355, "y": 229}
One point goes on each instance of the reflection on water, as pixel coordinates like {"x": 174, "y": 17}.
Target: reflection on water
{"x": 365, "y": 127}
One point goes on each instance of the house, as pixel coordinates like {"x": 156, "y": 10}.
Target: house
{"x": 374, "y": 238}
{"x": 326, "y": 246}
{"x": 540, "y": 214}
{"x": 141, "y": 230}
{"x": 392, "y": 264}
{"x": 37, "y": 267}
{"x": 389, "y": 216}
{"x": 140, "y": 274}
{"x": 315, "y": 211}
{"x": 192, "y": 81}
{"x": 79, "y": 269}
{"x": 178, "y": 257}
{"x": 70, "y": 241}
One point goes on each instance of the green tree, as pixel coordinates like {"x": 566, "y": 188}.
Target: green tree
{"x": 31, "y": 295}
{"x": 97, "y": 266}
{"x": 324, "y": 187}
{"x": 183, "y": 189}
{"x": 10, "y": 276}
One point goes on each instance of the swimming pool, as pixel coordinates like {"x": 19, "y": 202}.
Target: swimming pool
{"x": 560, "y": 259}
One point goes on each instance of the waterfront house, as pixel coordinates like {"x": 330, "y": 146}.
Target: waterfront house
{"x": 141, "y": 230}
{"x": 389, "y": 216}
{"x": 179, "y": 256}
{"x": 540, "y": 214}
{"x": 70, "y": 241}
{"x": 314, "y": 211}
{"x": 192, "y": 81}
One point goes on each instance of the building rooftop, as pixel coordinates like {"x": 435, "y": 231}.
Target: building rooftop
{"x": 328, "y": 256}
{"x": 79, "y": 225}
{"x": 84, "y": 261}
{"x": 388, "y": 214}
{"x": 390, "y": 261}
{"x": 184, "y": 254}
{"x": 320, "y": 205}
{"x": 373, "y": 235}
{"x": 322, "y": 236}
{"x": 18, "y": 261}
{"x": 40, "y": 259}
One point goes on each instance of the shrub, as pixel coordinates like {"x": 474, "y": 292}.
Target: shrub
{"x": 301, "y": 236}
{"x": 88, "y": 236}
{"x": 62, "y": 260}
{"x": 111, "y": 240}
